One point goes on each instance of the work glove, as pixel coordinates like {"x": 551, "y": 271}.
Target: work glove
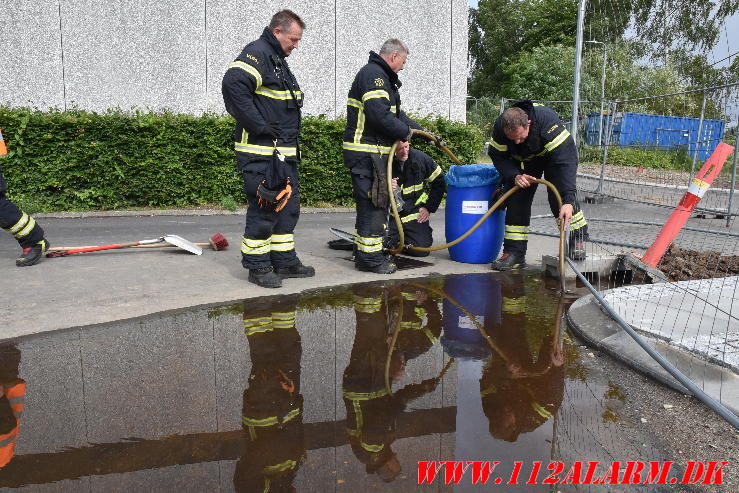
{"x": 272, "y": 129}
{"x": 435, "y": 139}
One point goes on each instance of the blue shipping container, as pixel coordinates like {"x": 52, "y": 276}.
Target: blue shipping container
{"x": 658, "y": 132}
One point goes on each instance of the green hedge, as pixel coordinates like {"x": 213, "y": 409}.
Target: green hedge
{"x": 78, "y": 160}
{"x": 676, "y": 159}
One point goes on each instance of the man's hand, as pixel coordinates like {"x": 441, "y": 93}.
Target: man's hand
{"x": 395, "y": 183}
{"x": 565, "y": 214}
{"x": 524, "y": 181}
{"x": 423, "y": 215}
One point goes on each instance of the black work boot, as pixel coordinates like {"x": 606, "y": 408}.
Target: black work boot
{"x": 576, "y": 246}
{"x": 387, "y": 267}
{"x": 265, "y": 277}
{"x": 297, "y": 270}
{"x": 509, "y": 261}
{"x": 32, "y": 255}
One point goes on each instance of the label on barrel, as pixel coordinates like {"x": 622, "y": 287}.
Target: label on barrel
{"x": 466, "y": 322}
{"x": 474, "y": 206}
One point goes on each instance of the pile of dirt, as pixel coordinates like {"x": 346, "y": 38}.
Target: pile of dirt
{"x": 680, "y": 264}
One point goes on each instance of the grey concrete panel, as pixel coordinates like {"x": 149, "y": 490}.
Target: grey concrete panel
{"x": 318, "y": 364}
{"x": 231, "y": 26}
{"x": 424, "y": 26}
{"x": 458, "y": 70}
{"x": 150, "y": 381}
{"x": 30, "y": 55}
{"x": 53, "y": 416}
{"x": 143, "y": 54}
{"x": 189, "y": 477}
{"x": 232, "y": 364}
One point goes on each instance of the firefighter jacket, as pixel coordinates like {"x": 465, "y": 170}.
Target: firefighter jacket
{"x": 422, "y": 183}
{"x": 374, "y": 120}
{"x": 420, "y": 326}
{"x": 259, "y": 89}
{"x": 549, "y": 143}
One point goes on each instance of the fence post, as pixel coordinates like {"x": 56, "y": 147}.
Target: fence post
{"x": 578, "y": 62}
{"x": 697, "y": 137}
{"x": 609, "y": 135}
{"x": 502, "y": 105}
{"x": 733, "y": 176}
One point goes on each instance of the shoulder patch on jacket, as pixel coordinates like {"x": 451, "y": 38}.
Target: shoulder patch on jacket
{"x": 552, "y": 128}
{"x": 379, "y": 82}
{"x": 252, "y": 57}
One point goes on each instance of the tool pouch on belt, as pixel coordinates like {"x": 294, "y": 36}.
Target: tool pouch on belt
{"x": 380, "y": 196}
{"x": 276, "y": 188}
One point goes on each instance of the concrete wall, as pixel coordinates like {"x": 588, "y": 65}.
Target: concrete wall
{"x": 96, "y": 54}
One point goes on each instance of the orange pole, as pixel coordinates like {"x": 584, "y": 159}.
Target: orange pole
{"x": 681, "y": 214}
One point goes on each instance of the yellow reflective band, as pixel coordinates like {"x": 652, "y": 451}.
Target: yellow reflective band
{"x": 24, "y": 232}
{"x": 422, "y": 199}
{"x": 378, "y": 93}
{"x": 258, "y": 330}
{"x": 372, "y": 448}
{"x": 557, "y": 140}
{"x": 360, "y": 127}
{"x": 490, "y": 390}
{"x": 434, "y": 175}
{"x": 282, "y": 244}
{"x": 514, "y": 305}
{"x": 283, "y": 315}
{"x": 265, "y": 150}
{"x": 516, "y": 236}
{"x": 244, "y": 136}
{"x": 516, "y": 229}
{"x": 354, "y": 146}
{"x": 541, "y": 411}
{"x": 409, "y": 217}
{"x": 364, "y": 396}
{"x": 354, "y": 103}
{"x": 412, "y": 188}
{"x": 20, "y": 224}
{"x": 429, "y": 335}
{"x": 409, "y": 296}
{"x": 394, "y": 108}
{"x": 415, "y": 325}
{"x": 358, "y": 417}
{"x": 282, "y": 466}
{"x": 281, "y": 95}
{"x": 272, "y": 420}
{"x": 497, "y": 146}
{"x": 369, "y": 244}
{"x": 254, "y": 247}
{"x": 251, "y": 70}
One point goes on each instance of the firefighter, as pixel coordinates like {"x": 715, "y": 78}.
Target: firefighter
{"x": 23, "y": 227}
{"x": 523, "y": 387}
{"x": 374, "y": 121}
{"x": 530, "y": 140}
{"x": 262, "y": 94}
{"x": 422, "y": 186}
{"x": 12, "y": 395}
{"x": 272, "y": 412}
{"x": 371, "y": 410}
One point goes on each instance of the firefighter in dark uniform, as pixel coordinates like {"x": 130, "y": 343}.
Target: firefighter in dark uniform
{"x": 374, "y": 121}
{"x": 23, "y": 227}
{"x": 272, "y": 412}
{"x": 262, "y": 94}
{"x": 529, "y": 141}
{"x": 523, "y": 387}
{"x": 422, "y": 186}
{"x": 371, "y": 410}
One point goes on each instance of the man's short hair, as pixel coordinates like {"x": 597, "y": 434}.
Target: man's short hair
{"x": 392, "y": 45}
{"x": 284, "y": 20}
{"x": 514, "y": 118}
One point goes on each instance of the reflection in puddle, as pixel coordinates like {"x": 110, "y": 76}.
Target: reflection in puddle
{"x": 341, "y": 388}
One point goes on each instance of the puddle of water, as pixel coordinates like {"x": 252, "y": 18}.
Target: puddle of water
{"x": 339, "y": 388}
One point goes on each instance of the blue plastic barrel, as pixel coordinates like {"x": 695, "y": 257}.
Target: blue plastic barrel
{"x": 480, "y": 295}
{"x": 465, "y": 205}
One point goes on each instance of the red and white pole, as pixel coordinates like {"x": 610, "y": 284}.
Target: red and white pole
{"x": 681, "y": 214}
